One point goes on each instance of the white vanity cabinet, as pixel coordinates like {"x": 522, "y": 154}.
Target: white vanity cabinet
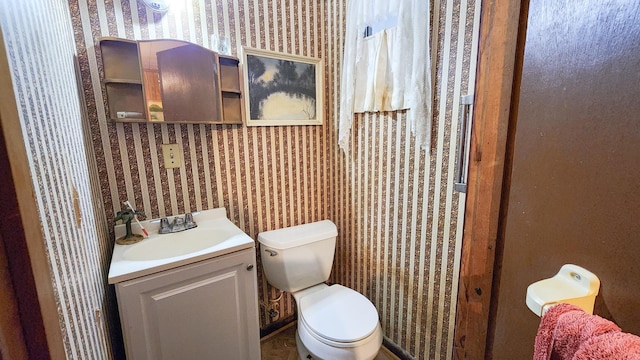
{"x": 204, "y": 310}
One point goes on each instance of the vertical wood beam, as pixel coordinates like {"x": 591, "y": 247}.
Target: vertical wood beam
{"x": 495, "y": 75}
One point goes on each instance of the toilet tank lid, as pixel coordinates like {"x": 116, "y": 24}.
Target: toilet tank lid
{"x": 298, "y": 235}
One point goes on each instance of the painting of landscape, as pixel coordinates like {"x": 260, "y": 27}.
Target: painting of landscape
{"x": 281, "y": 89}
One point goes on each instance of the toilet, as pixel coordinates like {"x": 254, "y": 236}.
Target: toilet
{"x": 334, "y": 322}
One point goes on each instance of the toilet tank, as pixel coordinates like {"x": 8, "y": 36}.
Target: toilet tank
{"x": 298, "y": 257}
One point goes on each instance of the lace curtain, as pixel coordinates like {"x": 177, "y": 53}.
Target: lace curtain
{"x": 387, "y": 64}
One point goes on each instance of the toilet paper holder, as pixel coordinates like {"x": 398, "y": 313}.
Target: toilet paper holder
{"x": 571, "y": 285}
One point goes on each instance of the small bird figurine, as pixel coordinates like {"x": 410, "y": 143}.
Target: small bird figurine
{"x": 126, "y": 216}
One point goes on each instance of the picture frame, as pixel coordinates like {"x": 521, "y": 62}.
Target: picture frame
{"x": 282, "y": 89}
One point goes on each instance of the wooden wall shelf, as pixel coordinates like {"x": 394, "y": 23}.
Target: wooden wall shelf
{"x": 181, "y": 81}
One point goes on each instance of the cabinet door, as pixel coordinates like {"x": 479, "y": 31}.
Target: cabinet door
{"x": 189, "y": 84}
{"x": 207, "y": 310}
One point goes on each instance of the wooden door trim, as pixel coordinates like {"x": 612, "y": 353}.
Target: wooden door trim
{"x": 499, "y": 24}
{"x": 26, "y": 253}
{"x": 12, "y": 342}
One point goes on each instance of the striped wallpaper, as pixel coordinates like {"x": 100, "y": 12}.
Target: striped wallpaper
{"x": 40, "y": 48}
{"x": 399, "y": 220}
{"x": 266, "y": 177}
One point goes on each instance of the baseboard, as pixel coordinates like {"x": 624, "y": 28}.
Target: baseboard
{"x": 388, "y": 354}
{"x": 276, "y": 328}
{"x": 394, "y": 350}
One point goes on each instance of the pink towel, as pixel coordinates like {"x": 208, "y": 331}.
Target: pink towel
{"x": 567, "y": 332}
{"x": 612, "y": 345}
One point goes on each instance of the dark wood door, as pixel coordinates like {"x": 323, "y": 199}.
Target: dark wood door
{"x": 574, "y": 194}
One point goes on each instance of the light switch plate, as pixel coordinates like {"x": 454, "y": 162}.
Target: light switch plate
{"x": 172, "y": 156}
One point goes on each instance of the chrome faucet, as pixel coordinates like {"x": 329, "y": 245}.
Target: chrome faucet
{"x": 188, "y": 221}
{"x": 164, "y": 226}
{"x": 178, "y": 224}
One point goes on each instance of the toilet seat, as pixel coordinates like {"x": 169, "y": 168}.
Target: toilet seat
{"x": 338, "y": 316}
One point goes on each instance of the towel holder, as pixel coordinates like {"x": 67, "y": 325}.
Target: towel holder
{"x": 571, "y": 285}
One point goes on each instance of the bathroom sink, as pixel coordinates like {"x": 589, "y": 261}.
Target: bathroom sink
{"x": 177, "y": 244}
{"x": 214, "y": 236}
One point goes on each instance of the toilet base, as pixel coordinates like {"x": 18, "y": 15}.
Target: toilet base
{"x": 311, "y": 348}
{"x": 303, "y": 353}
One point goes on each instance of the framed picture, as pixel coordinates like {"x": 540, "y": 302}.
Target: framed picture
{"x": 282, "y": 89}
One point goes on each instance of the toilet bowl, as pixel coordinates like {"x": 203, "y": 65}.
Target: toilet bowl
{"x": 334, "y": 322}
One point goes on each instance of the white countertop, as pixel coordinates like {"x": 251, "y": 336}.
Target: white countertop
{"x": 213, "y": 225}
